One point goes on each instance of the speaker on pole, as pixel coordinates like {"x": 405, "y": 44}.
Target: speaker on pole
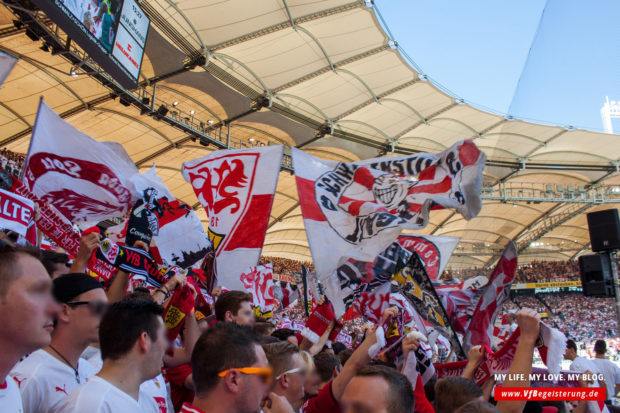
{"x": 596, "y": 275}
{"x": 604, "y": 228}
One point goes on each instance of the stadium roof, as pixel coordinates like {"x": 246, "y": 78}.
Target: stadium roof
{"x": 323, "y": 76}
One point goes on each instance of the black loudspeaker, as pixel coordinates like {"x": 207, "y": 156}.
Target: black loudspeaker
{"x": 596, "y": 276}
{"x": 604, "y": 227}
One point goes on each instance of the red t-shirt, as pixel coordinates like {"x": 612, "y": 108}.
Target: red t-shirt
{"x": 421, "y": 403}
{"x": 188, "y": 408}
{"x": 322, "y": 402}
{"x": 179, "y": 394}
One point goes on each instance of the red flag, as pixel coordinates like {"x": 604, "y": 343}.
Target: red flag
{"x": 480, "y": 329}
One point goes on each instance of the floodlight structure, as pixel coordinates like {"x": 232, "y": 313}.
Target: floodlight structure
{"x": 610, "y": 109}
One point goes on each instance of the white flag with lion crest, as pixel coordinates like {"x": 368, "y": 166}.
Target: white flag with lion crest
{"x": 357, "y": 209}
{"x": 236, "y": 188}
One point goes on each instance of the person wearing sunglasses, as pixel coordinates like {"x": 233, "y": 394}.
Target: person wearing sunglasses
{"x": 231, "y": 373}
{"x": 289, "y": 370}
{"x": 132, "y": 337}
{"x": 49, "y": 375}
{"x": 28, "y": 310}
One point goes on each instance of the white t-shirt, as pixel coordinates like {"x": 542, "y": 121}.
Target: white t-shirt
{"x": 93, "y": 356}
{"x": 581, "y": 365}
{"x": 100, "y": 396}
{"x": 10, "y": 400}
{"x": 44, "y": 381}
{"x": 611, "y": 374}
{"x": 158, "y": 390}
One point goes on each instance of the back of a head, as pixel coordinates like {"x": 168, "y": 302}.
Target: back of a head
{"x": 230, "y": 301}
{"x": 453, "y": 392}
{"x": 279, "y": 356}
{"x": 123, "y": 324}
{"x": 600, "y": 347}
{"x": 51, "y": 258}
{"x": 338, "y": 347}
{"x": 263, "y": 328}
{"x": 283, "y": 333}
{"x": 8, "y": 265}
{"x": 400, "y": 398}
{"x": 325, "y": 364}
{"x": 223, "y": 346}
{"x": 571, "y": 344}
{"x": 477, "y": 406}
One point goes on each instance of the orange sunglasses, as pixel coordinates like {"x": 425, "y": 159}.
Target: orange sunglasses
{"x": 264, "y": 373}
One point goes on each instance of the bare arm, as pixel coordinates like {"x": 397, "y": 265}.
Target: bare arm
{"x": 117, "y": 289}
{"x": 474, "y": 358}
{"x": 358, "y": 359}
{"x": 88, "y": 243}
{"x": 521, "y": 367}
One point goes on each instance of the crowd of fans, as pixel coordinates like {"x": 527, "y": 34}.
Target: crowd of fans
{"x": 534, "y": 272}
{"x": 12, "y": 162}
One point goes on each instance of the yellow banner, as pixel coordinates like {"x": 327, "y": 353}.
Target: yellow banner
{"x": 559, "y": 284}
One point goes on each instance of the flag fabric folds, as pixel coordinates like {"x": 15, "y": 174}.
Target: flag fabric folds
{"x": 84, "y": 179}
{"x": 236, "y": 188}
{"x": 494, "y": 295}
{"x": 357, "y": 209}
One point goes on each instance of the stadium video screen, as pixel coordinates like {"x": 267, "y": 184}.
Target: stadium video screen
{"x": 112, "y": 32}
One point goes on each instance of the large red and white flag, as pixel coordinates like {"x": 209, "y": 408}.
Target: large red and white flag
{"x": 84, "y": 179}
{"x": 494, "y": 295}
{"x": 357, "y": 209}
{"x": 236, "y": 188}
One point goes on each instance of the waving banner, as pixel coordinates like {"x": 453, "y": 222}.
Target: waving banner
{"x": 258, "y": 281}
{"x": 494, "y": 295}
{"x": 84, "y": 179}
{"x": 236, "y": 188}
{"x": 433, "y": 250}
{"x": 178, "y": 233}
{"x": 357, "y": 209}
{"x": 417, "y": 288}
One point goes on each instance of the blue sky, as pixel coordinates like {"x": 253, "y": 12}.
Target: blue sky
{"x": 549, "y": 61}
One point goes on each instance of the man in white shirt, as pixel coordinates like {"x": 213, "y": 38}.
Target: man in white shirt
{"x": 132, "y": 337}
{"x": 28, "y": 310}
{"x": 582, "y": 365}
{"x": 49, "y": 375}
{"x": 609, "y": 370}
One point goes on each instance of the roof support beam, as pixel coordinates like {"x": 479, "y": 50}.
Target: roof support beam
{"x": 415, "y": 125}
{"x": 287, "y": 24}
{"x": 283, "y": 215}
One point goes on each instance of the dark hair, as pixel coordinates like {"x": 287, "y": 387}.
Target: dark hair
{"x": 338, "y": 347}
{"x": 325, "y": 364}
{"x": 344, "y": 356}
{"x": 230, "y": 301}
{"x": 283, "y": 334}
{"x": 263, "y": 328}
{"x": 268, "y": 340}
{"x": 400, "y": 397}
{"x": 600, "y": 347}
{"x": 477, "y": 406}
{"x": 429, "y": 388}
{"x": 123, "y": 324}
{"x": 49, "y": 259}
{"x": 571, "y": 344}
{"x": 279, "y": 355}
{"x": 453, "y": 392}
{"x": 8, "y": 260}
{"x": 139, "y": 294}
{"x": 223, "y": 346}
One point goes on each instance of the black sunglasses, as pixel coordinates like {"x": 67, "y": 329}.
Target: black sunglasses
{"x": 95, "y": 307}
